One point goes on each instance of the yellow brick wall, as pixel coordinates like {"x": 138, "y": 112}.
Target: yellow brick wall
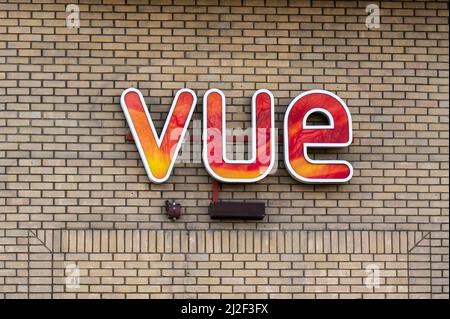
{"x": 73, "y": 189}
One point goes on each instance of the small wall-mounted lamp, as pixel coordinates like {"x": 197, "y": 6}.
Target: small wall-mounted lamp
{"x": 173, "y": 209}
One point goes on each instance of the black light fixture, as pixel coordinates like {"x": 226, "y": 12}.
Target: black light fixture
{"x": 234, "y": 210}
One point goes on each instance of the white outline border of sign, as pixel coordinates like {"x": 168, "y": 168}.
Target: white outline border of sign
{"x": 318, "y": 145}
{"x": 158, "y": 138}
{"x": 253, "y": 158}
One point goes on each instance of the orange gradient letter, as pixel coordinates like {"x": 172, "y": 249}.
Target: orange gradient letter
{"x": 299, "y": 136}
{"x": 214, "y": 139}
{"x": 158, "y": 153}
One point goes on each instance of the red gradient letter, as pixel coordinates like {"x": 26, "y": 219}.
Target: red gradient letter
{"x": 299, "y": 136}
{"x": 214, "y": 139}
{"x": 158, "y": 153}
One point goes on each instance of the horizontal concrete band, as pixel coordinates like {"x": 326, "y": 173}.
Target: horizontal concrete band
{"x": 228, "y": 241}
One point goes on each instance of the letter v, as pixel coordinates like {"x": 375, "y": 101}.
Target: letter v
{"x": 158, "y": 153}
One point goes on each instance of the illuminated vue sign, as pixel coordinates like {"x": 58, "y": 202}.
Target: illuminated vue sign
{"x": 159, "y": 153}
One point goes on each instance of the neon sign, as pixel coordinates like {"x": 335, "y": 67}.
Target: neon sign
{"x": 159, "y": 153}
